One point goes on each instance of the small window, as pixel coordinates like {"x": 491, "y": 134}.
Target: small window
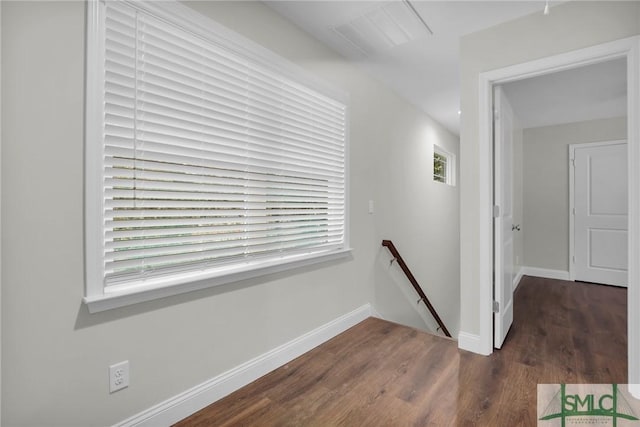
{"x": 443, "y": 166}
{"x": 439, "y": 167}
{"x": 209, "y": 159}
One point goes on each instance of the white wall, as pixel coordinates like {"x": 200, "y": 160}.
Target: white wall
{"x": 419, "y": 216}
{"x": 569, "y": 26}
{"x": 54, "y": 353}
{"x": 546, "y": 186}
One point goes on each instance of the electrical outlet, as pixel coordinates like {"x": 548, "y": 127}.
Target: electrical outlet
{"x": 118, "y": 376}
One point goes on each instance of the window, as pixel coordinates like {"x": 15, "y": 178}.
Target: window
{"x": 439, "y": 167}
{"x": 443, "y": 166}
{"x": 209, "y": 159}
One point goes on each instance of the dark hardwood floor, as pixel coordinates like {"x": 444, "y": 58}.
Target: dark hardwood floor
{"x": 383, "y": 374}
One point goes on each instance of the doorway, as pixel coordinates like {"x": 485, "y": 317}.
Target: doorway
{"x": 538, "y": 122}
{"x": 626, "y": 48}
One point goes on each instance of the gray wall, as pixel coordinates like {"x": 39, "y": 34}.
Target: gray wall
{"x": 569, "y": 26}
{"x": 55, "y": 354}
{"x": 546, "y": 186}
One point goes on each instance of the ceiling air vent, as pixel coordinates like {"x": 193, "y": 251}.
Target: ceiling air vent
{"x": 388, "y": 25}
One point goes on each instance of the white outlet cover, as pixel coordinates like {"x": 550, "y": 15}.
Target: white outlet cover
{"x": 118, "y": 376}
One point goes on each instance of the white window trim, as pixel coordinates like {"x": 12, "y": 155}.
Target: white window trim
{"x": 119, "y": 299}
{"x": 450, "y": 175}
{"x": 97, "y": 297}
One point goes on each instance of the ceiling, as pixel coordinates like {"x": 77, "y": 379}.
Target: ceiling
{"x": 591, "y": 92}
{"x": 424, "y": 68}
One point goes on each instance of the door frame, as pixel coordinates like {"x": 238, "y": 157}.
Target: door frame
{"x": 572, "y": 183}
{"x": 0, "y": 215}
{"x": 628, "y": 48}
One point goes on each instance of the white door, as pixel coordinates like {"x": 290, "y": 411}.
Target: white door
{"x": 600, "y": 217}
{"x": 503, "y": 221}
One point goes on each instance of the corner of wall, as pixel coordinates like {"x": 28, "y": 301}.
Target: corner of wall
{"x": 471, "y": 342}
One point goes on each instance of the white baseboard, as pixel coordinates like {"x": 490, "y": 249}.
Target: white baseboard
{"x": 546, "y": 273}
{"x": 634, "y": 389}
{"x": 186, "y": 403}
{"x": 516, "y": 280}
{"x": 375, "y": 313}
{"x": 470, "y": 342}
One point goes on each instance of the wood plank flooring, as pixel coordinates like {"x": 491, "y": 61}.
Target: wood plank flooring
{"x": 383, "y": 374}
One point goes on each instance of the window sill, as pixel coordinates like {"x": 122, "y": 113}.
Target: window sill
{"x": 116, "y": 299}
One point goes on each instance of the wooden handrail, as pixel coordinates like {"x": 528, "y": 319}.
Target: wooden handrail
{"x": 389, "y": 245}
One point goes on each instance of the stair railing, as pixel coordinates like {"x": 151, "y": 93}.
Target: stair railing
{"x": 396, "y": 257}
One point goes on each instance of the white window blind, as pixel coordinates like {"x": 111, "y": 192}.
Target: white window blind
{"x": 209, "y": 159}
